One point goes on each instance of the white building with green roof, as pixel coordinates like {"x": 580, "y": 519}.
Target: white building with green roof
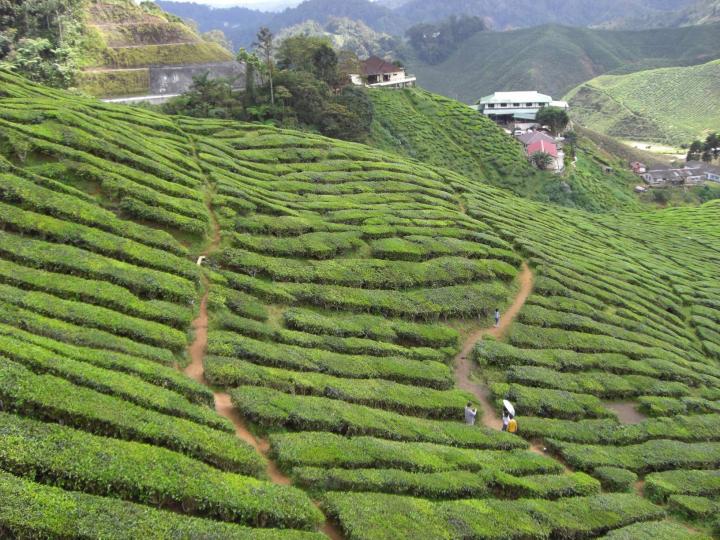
{"x": 518, "y": 108}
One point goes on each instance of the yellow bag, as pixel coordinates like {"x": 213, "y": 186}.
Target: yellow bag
{"x": 512, "y": 426}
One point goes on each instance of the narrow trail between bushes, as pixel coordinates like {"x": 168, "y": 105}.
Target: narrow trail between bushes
{"x": 463, "y": 361}
{"x": 223, "y": 402}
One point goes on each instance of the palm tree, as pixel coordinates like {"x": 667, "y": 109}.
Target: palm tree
{"x": 542, "y": 160}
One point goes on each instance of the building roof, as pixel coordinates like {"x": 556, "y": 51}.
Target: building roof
{"x": 705, "y": 167}
{"x": 543, "y": 146}
{"x": 533, "y": 136}
{"x": 675, "y": 174}
{"x": 378, "y": 66}
{"x": 516, "y": 97}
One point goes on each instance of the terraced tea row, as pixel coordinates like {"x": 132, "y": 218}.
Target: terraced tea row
{"x": 342, "y": 285}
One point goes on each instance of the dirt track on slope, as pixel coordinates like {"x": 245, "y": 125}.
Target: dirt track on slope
{"x": 463, "y": 362}
{"x": 223, "y": 402}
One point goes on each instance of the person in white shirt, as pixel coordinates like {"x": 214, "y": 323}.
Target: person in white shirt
{"x": 470, "y": 414}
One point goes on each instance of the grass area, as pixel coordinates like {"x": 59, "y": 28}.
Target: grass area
{"x": 668, "y": 106}
{"x": 337, "y": 296}
{"x": 554, "y": 59}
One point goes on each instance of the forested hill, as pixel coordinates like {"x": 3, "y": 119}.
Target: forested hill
{"x": 555, "y": 59}
{"x": 340, "y": 284}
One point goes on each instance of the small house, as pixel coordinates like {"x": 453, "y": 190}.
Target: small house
{"x": 712, "y": 172}
{"x": 537, "y": 141}
{"x": 638, "y": 167}
{"x": 378, "y": 73}
{"x": 674, "y": 177}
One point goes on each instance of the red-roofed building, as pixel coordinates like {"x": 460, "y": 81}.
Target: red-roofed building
{"x": 537, "y": 141}
{"x": 377, "y": 72}
{"x": 543, "y": 146}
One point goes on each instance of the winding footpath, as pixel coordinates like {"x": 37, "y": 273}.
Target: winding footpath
{"x": 463, "y": 361}
{"x": 223, "y": 403}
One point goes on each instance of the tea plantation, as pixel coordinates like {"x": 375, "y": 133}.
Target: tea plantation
{"x": 340, "y": 283}
{"x": 446, "y": 133}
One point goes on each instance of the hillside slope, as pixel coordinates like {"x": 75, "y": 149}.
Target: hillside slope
{"x": 446, "y": 133}
{"x": 339, "y": 284}
{"x": 127, "y": 39}
{"x": 554, "y": 59}
{"x": 668, "y": 105}
{"x": 698, "y": 12}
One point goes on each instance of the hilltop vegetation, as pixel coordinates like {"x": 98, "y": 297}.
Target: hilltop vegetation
{"x": 446, "y": 133}
{"x": 103, "y": 47}
{"x": 668, "y": 105}
{"x": 335, "y": 291}
{"x": 554, "y": 59}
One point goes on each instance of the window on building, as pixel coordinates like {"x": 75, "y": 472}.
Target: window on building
{"x": 516, "y": 104}
{"x": 528, "y": 104}
{"x": 491, "y": 106}
{"x": 503, "y": 104}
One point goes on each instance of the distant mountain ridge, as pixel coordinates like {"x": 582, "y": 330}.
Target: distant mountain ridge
{"x": 554, "y": 59}
{"x": 700, "y": 12}
{"x": 396, "y": 16}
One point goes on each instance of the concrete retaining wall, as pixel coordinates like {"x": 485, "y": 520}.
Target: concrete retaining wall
{"x": 177, "y": 79}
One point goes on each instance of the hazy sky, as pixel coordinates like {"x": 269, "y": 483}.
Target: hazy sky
{"x": 257, "y": 4}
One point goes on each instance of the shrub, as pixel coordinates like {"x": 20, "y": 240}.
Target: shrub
{"x": 691, "y": 507}
{"x": 67, "y": 259}
{"x": 76, "y": 460}
{"x": 142, "y": 368}
{"x": 660, "y": 486}
{"x": 551, "y": 403}
{"x": 74, "y": 210}
{"x": 229, "y": 345}
{"x": 392, "y": 516}
{"x": 615, "y": 478}
{"x": 29, "y": 510}
{"x": 656, "y": 455}
{"x": 95, "y": 317}
{"x": 78, "y": 335}
{"x": 379, "y": 393}
{"x": 655, "y": 530}
{"x": 272, "y": 408}
{"x": 117, "y": 384}
{"x": 51, "y": 398}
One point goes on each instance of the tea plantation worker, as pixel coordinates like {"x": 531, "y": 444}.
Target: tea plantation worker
{"x": 470, "y": 414}
{"x": 497, "y": 317}
{"x": 505, "y": 419}
{"x": 512, "y": 425}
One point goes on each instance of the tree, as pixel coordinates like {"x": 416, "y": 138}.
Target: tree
{"x": 265, "y": 46}
{"x": 712, "y": 145}
{"x": 356, "y": 100}
{"x": 695, "y": 151}
{"x": 218, "y": 37}
{"x": 297, "y": 52}
{"x": 325, "y": 63}
{"x": 253, "y": 65}
{"x": 542, "y": 160}
{"x": 206, "y": 98}
{"x": 555, "y": 118}
{"x": 571, "y": 139}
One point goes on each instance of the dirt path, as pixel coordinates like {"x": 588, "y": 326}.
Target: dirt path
{"x": 626, "y": 411}
{"x": 463, "y": 362}
{"x": 223, "y": 402}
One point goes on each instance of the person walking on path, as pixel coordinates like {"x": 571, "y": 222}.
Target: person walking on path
{"x": 497, "y": 317}
{"x": 505, "y": 419}
{"x": 470, "y": 414}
